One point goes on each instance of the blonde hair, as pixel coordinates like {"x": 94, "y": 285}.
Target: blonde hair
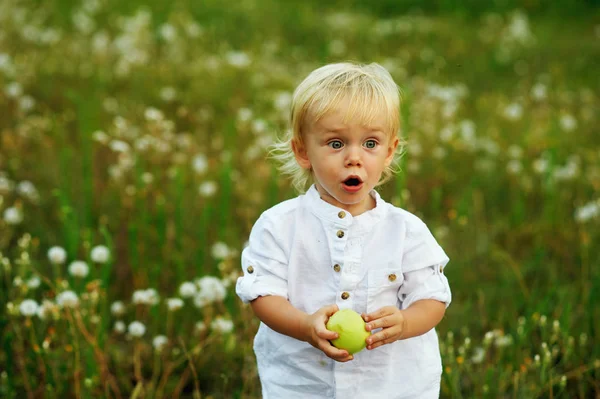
{"x": 367, "y": 87}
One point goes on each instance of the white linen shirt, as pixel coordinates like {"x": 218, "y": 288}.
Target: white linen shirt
{"x": 315, "y": 254}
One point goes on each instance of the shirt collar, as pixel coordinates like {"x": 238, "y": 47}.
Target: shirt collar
{"x": 324, "y": 210}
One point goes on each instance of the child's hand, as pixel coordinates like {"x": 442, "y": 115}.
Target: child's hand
{"x": 392, "y": 322}
{"x": 318, "y": 335}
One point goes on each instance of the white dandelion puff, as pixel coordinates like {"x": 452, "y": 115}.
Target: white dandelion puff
{"x": 13, "y": 216}
{"x": 221, "y": 325}
{"x": 187, "y": 289}
{"x": 67, "y": 299}
{"x": 28, "y": 307}
{"x": 100, "y": 254}
{"x": 57, "y": 255}
{"x": 207, "y": 189}
{"x": 174, "y": 304}
{"x": 117, "y": 308}
{"x": 79, "y": 269}
{"x": 119, "y": 327}
{"x": 136, "y": 329}
{"x": 200, "y": 164}
{"x": 159, "y": 342}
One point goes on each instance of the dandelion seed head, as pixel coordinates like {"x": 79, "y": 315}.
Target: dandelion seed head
{"x": 117, "y": 308}
{"x": 119, "y": 327}
{"x": 136, "y": 329}
{"x": 159, "y": 342}
{"x": 79, "y": 268}
{"x": 67, "y": 299}
{"x": 100, "y": 254}
{"x": 28, "y": 307}
{"x": 174, "y": 304}
{"x": 13, "y": 216}
{"x": 221, "y": 325}
{"x": 187, "y": 289}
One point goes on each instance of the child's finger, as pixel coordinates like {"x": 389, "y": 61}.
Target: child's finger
{"x": 327, "y": 334}
{"x": 379, "y": 313}
{"x": 339, "y": 355}
{"x": 382, "y": 322}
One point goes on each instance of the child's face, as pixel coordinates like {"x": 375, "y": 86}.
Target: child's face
{"x": 347, "y": 159}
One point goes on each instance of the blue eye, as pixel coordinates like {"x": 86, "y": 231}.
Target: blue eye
{"x": 335, "y": 144}
{"x": 370, "y": 144}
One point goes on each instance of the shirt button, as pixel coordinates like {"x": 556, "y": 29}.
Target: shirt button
{"x": 340, "y": 233}
{"x": 441, "y": 269}
{"x": 345, "y": 295}
{"x": 392, "y": 277}
{"x": 337, "y": 267}
{"x": 250, "y": 269}
{"x": 342, "y": 214}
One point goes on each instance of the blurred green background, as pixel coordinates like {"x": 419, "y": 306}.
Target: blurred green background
{"x": 133, "y": 164}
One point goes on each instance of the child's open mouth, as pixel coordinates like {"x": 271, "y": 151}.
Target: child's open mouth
{"x": 352, "y": 184}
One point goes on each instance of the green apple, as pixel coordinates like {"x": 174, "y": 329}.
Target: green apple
{"x": 351, "y": 329}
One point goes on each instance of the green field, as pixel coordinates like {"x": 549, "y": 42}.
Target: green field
{"x": 133, "y": 141}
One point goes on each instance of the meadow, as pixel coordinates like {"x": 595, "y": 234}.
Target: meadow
{"x": 133, "y": 142}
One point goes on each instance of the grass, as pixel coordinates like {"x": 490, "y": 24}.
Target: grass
{"x": 107, "y": 107}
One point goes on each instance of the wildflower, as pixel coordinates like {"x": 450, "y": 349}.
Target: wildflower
{"x": 168, "y": 94}
{"x": 119, "y": 327}
{"x": 187, "y": 289}
{"x": 200, "y": 164}
{"x": 211, "y": 288}
{"x": 46, "y": 309}
{"x": 145, "y": 297}
{"x": 100, "y": 254}
{"x": 540, "y": 165}
{"x": 563, "y": 381}
{"x": 556, "y": 326}
{"x": 28, "y": 190}
{"x": 513, "y": 112}
{"x": 174, "y": 304}
{"x": 136, "y": 329}
{"x": 79, "y": 269}
{"x": 543, "y": 320}
{"x": 119, "y": 146}
{"x": 100, "y": 137}
{"x": 568, "y": 122}
{"x": 159, "y": 342}
{"x": 13, "y": 216}
{"x": 503, "y": 341}
{"x": 14, "y": 90}
{"x": 57, "y": 255}
{"x": 67, "y": 299}
{"x": 207, "y": 189}
{"x": 153, "y": 114}
{"x": 34, "y": 282}
{"x": 587, "y": 212}
{"x": 478, "y": 355}
{"x": 539, "y": 92}
{"x": 200, "y": 326}
{"x": 147, "y": 178}
{"x": 222, "y": 325}
{"x": 220, "y": 250}
{"x": 237, "y": 59}
{"x": 28, "y": 307}
{"x": 514, "y": 167}
{"x": 244, "y": 114}
{"x": 117, "y": 308}
{"x": 168, "y": 32}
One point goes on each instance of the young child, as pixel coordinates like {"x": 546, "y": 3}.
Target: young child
{"x": 340, "y": 245}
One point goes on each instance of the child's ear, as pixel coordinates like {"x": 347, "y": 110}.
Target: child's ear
{"x": 391, "y": 150}
{"x": 301, "y": 154}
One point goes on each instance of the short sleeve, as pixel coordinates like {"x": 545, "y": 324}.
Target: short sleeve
{"x": 423, "y": 267}
{"x": 264, "y": 264}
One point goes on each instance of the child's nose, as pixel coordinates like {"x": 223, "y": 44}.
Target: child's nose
{"x": 353, "y": 156}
